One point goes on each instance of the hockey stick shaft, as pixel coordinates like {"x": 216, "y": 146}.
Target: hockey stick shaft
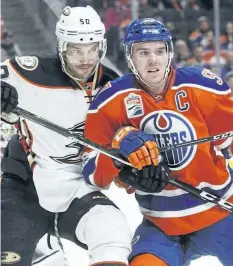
{"x": 83, "y": 141}
{"x": 198, "y": 141}
{"x": 115, "y": 155}
{"x": 203, "y": 194}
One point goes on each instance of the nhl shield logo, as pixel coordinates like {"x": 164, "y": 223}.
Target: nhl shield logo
{"x": 134, "y": 106}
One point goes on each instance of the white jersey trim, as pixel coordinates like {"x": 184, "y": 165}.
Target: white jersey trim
{"x": 91, "y": 177}
{"x": 228, "y": 91}
{"x": 226, "y": 143}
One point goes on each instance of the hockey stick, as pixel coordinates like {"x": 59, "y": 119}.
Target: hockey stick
{"x": 115, "y": 155}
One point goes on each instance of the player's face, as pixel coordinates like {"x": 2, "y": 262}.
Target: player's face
{"x": 150, "y": 59}
{"x": 81, "y": 59}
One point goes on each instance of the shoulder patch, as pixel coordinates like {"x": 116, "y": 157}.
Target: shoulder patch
{"x": 27, "y": 63}
{"x": 134, "y": 105}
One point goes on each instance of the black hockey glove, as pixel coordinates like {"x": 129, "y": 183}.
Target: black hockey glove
{"x": 14, "y": 161}
{"x": 151, "y": 179}
{"x": 9, "y": 97}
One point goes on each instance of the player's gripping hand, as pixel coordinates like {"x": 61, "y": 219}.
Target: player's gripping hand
{"x": 9, "y": 97}
{"x": 137, "y": 146}
{"x": 9, "y": 101}
{"x": 151, "y": 179}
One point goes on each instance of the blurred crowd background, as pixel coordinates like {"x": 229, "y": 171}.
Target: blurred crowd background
{"x": 190, "y": 21}
{"x": 202, "y": 29}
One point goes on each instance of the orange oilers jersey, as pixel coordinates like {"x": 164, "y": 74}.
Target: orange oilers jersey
{"x": 196, "y": 104}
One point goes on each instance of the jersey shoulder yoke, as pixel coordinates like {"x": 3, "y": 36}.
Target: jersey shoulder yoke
{"x": 41, "y": 71}
{"x": 113, "y": 89}
{"x": 199, "y": 78}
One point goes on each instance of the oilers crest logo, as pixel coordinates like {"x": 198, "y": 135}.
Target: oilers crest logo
{"x": 170, "y": 128}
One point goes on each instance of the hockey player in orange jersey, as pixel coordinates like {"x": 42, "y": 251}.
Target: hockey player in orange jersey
{"x": 157, "y": 106}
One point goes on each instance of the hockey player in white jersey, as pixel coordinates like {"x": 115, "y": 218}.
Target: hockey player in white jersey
{"x": 41, "y": 169}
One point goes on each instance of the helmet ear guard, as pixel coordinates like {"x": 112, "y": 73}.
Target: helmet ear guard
{"x": 102, "y": 49}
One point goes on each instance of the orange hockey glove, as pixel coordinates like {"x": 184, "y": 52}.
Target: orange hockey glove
{"x": 137, "y": 146}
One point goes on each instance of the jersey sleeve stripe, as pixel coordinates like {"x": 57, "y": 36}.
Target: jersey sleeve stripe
{"x": 190, "y": 209}
{"x": 179, "y": 192}
{"x": 92, "y": 176}
{"x": 226, "y": 143}
{"x": 89, "y": 168}
{"x": 195, "y": 86}
{"x": 181, "y": 202}
{"x": 228, "y": 151}
{"x": 92, "y": 170}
